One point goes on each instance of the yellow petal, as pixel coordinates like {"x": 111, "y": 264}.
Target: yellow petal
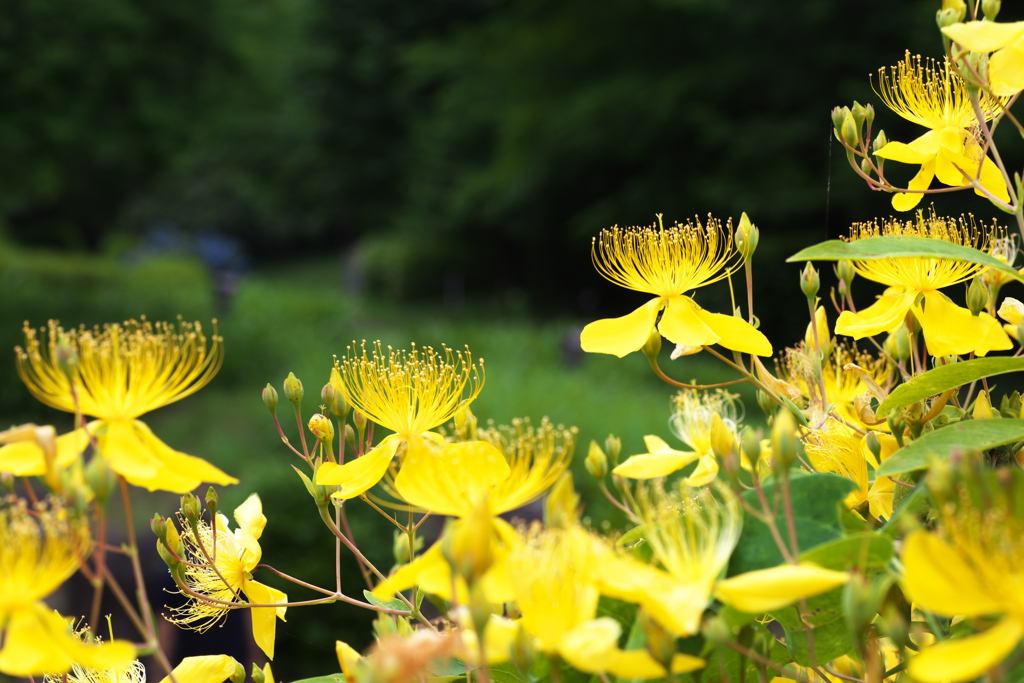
{"x": 249, "y": 516}
{"x": 591, "y": 646}
{"x": 885, "y": 315}
{"x": 38, "y": 641}
{"x": 992, "y": 180}
{"x": 631, "y": 664}
{"x": 430, "y": 571}
{"x": 903, "y": 153}
{"x": 1006, "y": 70}
{"x": 204, "y": 669}
{"x": 268, "y": 675}
{"x": 707, "y": 470}
{"x": 651, "y": 465}
{"x": 736, "y": 333}
{"x": 264, "y": 624}
{"x": 26, "y": 459}
{"x": 621, "y": 336}
{"x": 769, "y": 589}
{"x": 681, "y": 324}
{"x": 348, "y": 658}
{"x": 949, "y": 329}
{"x": 905, "y": 201}
{"x": 984, "y": 36}
{"x": 359, "y": 475}
{"x": 965, "y": 659}
{"x": 937, "y": 578}
{"x": 450, "y": 480}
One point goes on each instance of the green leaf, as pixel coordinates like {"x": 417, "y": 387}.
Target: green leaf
{"x": 945, "y": 377}
{"x": 330, "y": 678}
{"x": 972, "y": 435}
{"x": 393, "y": 603}
{"x": 874, "y": 248}
{"x": 863, "y": 551}
{"x": 448, "y": 668}
{"x": 831, "y": 640}
{"x": 816, "y": 499}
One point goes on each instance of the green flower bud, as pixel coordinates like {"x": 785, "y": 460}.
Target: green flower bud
{"x": 846, "y": 271}
{"x": 716, "y": 631}
{"x": 879, "y": 142}
{"x": 810, "y": 281}
{"x": 613, "y": 447}
{"x": 400, "y": 547}
{"x": 159, "y": 526}
{"x": 784, "y": 440}
{"x": 897, "y": 344}
{"x": 596, "y": 461}
{"x": 859, "y": 114}
{"x": 991, "y": 8}
{"x": 293, "y": 389}
{"x": 869, "y": 114}
{"x": 751, "y": 446}
{"x": 100, "y": 478}
{"x": 850, "y": 131}
{"x": 270, "y": 398}
{"x": 211, "y": 500}
{"x": 239, "y": 675}
{"x": 838, "y": 116}
{"x": 190, "y": 508}
{"x": 865, "y": 166}
{"x": 465, "y": 423}
{"x": 257, "y": 675}
{"x": 746, "y": 237}
{"x": 977, "y": 296}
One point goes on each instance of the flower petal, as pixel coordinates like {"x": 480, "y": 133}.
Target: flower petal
{"x": 707, "y": 470}
{"x": 984, "y": 36}
{"x": 264, "y": 618}
{"x": 736, "y": 333}
{"x": 651, "y": 465}
{"x": 359, "y": 475}
{"x": 205, "y": 669}
{"x": 681, "y": 324}
{"x": 1006, "y": 70}
{"x": 965, "y": 659}
{"x": 937, "y": 578}
{"x": 452, "y": 479}
{"x": 38, "y": 641}
{"x": 903, "y": 153}
{"x": 621, "y": 336}
{"x": 950, "y": 329}
{"x": 26, "y": 458}
{"x": 769, "y": 589}
{"x": 885, "y": 315}
{"x": 590, "y": 646}
{"x": 249, "y": 516}
{"x": 905, "y": 201}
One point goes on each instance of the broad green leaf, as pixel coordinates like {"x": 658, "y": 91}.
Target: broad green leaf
{"x": 873, "y": 248}
{"x": 945, "y": 377}
{"x": 448, "y": 668}
{"x": 821, "y": 610}
{"x": 861, "y": 551}
{"x": 912, "y": 504}
{"x": 393, "y": 603}
{"x": 507, "y": 672}
{"x": 830, "y": 641}
{"x": 816, "y": 499}
{"x": 972, "y": 435}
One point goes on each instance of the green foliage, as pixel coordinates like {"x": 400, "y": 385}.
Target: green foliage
{"x": 945, "y": 377}
{"x": 815, "y": 499}
{"x": 958, "y": 437}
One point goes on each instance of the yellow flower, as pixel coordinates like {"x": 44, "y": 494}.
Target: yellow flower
{"x": 38, "y": 551}
{"x": 408, "y": 392}
{"x": 697, "y": 415}
{"x": 209, "y": 669}
{"x": 668, "y": 262}
{"x": 692, "y": 533}
{"x": 131, "y": 672}
{"x": 838, "y": 449}
{"x": 1005, "y": 41}
{"x": 556, "y": 577}
{"x": 936, "y": 98}
{"x": 972, "y": 566}
{"x": 912, "y": 287}
{"x": 235, "y": 555}
{"x": 121, "y": 373}
{"x": 476, "y": 481}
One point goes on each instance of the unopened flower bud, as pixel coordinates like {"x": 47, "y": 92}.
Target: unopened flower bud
{"x": 100, "y": 478}
{"x": 465, "y": 423}
{"x": 751, "y": 447}
{"x": 982, "y": 407}
{"x": 860, "y": 604}
{"x": 169, "y": 546}
{"x": 810, "y": 281}
{"x": 211, "y": 500}
{"x": 766, "y": 403}
{"x": 322, "y": 428}
{"x": 239, "y": 675}
{"x": 859, "y": 114}
{"x": 838, "y": 116}
{"x": 850, "y": 131}
{"x": 66, "y": 356}
{"x": 562, "y": 504}
{"x": 865, "y": 166}
{"x": 897, "y": 344}
{"x": 784, "y": 440}
{"x": 873, "y": 445}
{"x": 652, "y": 346}
{"x": 468, "y": 546}
{"x": 846, "y": 271}
{"x": 661, "y": 644}
{"x": 879, "y": 142}
{"x": 1011, "y": 310}
{"x": 190, "y": 507}
{"x": 746, "y": 237}
{"x": 159, "y": 526}
{"x": 350, "y": 436}
{"x": 257, "y": 675}
{"x": 360, "y": 421}
{"x": 952, "y": 12}
{"x": 991, "y": 8}
{"x": 716, "y": 631}
{"x": 613, "y": 447}
{"x": 293, "y": 389}
{"x": 869, "y": 114}
{"x": 270, "y": 397}
{"x": 400, "y": 547}
{"x": 596, "y": 461}
{"x": 977, "y": 296}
